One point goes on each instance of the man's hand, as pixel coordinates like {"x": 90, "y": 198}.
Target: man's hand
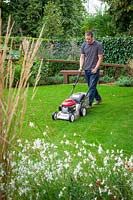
{"x": 94, "y": 70}
{"x": 80, "y": 69}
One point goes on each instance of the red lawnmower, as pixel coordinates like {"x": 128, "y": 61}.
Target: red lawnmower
{"x": 73, "y": 107}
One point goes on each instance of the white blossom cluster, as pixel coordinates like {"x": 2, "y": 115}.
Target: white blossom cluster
{"x": 71, "y": 170}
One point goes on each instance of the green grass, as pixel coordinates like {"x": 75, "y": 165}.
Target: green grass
{"x": 108, "y": 124}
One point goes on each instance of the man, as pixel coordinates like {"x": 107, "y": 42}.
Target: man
{"x": 90, "y": 59}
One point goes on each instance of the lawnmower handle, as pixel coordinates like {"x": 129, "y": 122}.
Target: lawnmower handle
{"x": 74, "y": 85}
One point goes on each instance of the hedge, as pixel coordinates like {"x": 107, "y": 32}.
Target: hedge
{"x": 116, "y": 50}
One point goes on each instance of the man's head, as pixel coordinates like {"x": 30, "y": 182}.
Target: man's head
{"x": 89, "y": 37}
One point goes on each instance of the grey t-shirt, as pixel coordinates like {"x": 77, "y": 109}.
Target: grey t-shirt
{"x": 91, "y": 52}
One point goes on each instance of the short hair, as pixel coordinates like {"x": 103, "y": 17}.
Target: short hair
{"x": 90, "y": 33}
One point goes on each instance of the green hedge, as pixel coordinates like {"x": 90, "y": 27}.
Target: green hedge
{"x": 116, "y": 50}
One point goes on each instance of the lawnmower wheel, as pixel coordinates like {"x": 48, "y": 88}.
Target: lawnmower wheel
{"x": 83, "y": 111}
{"x": 71, "y": 118}
{"x": 54, "y": 116}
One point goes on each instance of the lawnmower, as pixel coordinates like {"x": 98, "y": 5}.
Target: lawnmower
{"x": 73, "y": 107}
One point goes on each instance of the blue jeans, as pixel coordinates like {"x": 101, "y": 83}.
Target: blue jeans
{"x": 92, "y": 80}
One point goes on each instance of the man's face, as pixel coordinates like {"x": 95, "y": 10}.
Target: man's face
{"x": 89, "y": 39}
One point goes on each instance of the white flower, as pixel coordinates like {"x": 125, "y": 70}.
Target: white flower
{"x": 66, "y": 166}
{"x": 90, "y": 185}
{"x": 63, "y": 188}
{"x": 31, "y": 124}
{"x": 37, "y": 144}
{"x": 92, "y": 166}
{"x": 107, "y": 151}
{"x": 44, "y": 133}
{"x": 67, "y": 153}
{"x": 84, "y": 142}
{"x": 103, "y": 181}
{"x": 19, "y": 141}
{"x": 77, "y": 169}
{"x": 100, "y": 149}
{"x": 91, "y": 156}
{"x": 60, "y": 194}
{"x": 105, "y": 161}
{"x": 92, "y": 145}
{"x": 79, "y": 154}
{"x": 67, "y": 142}
{"x": 109, "y": 192}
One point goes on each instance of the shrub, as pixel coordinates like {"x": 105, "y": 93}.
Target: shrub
{"x": 43, "y": 74}
{"x": 73, "y": 79}
{"x": 116, "y": 50}
{"x": 57, "y": 79}
{"x": 125, "y": 81}
{"x": 40, "y": 171}
{"x": 107, "y": 79}
{"x": 17, "y": 74}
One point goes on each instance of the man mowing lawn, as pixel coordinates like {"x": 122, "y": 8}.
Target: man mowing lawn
{"x": 90, "y": 59}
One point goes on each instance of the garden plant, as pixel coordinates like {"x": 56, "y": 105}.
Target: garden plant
{"x": 12, "y": 100}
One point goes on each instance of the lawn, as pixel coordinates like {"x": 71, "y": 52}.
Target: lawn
{"x": 109, "y": 124}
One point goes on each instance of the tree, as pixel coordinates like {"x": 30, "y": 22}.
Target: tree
{"x": 100, "y": 23}
{"x": 73, "y": 12}
{"x": 121, "y": 15}
{"x": 29, "y": 15}
{"x": 26, "y": 15}
{"x": 52, "y": 21}
{"x": 35, "y": 12}
{"x": 16, "y": 8}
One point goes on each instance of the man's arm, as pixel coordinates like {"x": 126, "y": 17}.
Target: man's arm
{"x": 82, "y": 58}
{"x": 100, "y": 59}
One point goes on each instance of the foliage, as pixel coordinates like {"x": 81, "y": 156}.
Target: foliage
{"x": 72, "y": 17}
{"x": 73, "y": 79}
{"x": 53, "y": 21}
{"x": 107, "y": 79}
{"x": 47, "y": 75}
{"x": 121, "y": 12}
{"x": 59, "y": 50}
{"x": 125, "y": 81}
{"x": 117, "y": 49}
{"x": 56, "y": 79}
{"x": 34, "y": 14}
{"x": 43, "y": 74}
{"x": 30, "y": 15}
{"x": 26, "y": 14}
{"x": 13, "y": 101}
{"x": 73, "y": 13}
{"x": 40, "y": 172}
{"x": 99, "y": 23}
{"x": 17, "y": 74}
